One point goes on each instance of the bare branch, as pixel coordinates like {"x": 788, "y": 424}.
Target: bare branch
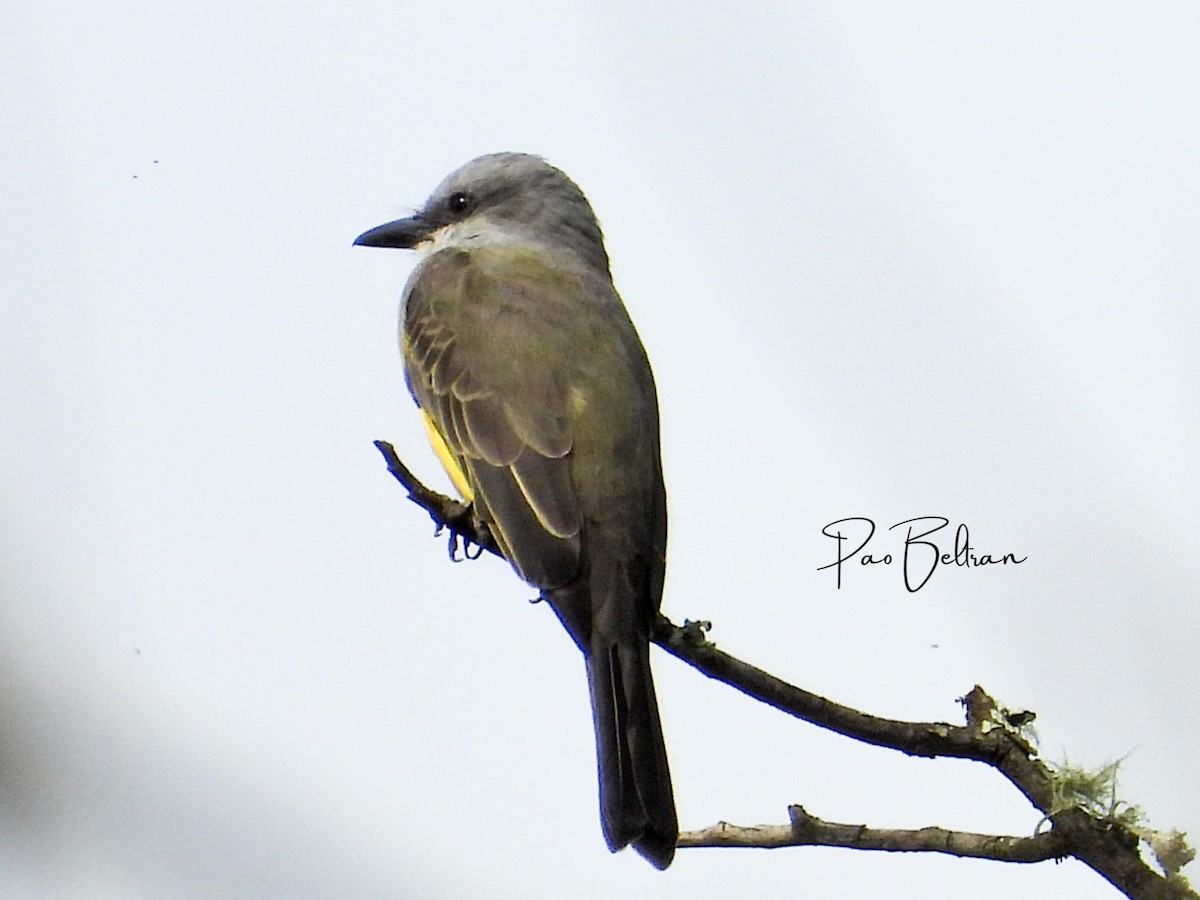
{"x": 989, "y": 736}
{"x": 807, "y": 830}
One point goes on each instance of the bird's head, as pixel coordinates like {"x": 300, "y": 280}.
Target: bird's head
{"x": 501, "y": 197}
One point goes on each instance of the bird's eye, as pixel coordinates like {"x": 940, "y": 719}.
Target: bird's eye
{"x": 459, "y": 202}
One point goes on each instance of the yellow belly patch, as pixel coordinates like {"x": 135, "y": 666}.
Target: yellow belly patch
{"x": 446, "y": 458}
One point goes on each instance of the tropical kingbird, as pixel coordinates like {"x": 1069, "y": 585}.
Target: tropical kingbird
{"x": 538, "y": 397}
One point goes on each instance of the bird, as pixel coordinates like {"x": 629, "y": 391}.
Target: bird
{"x": 539, "y": 400}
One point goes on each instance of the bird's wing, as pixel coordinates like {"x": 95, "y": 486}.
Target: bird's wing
{"x": 486, "y": 338}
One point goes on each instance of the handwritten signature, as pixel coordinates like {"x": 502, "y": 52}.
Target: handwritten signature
{"x": 919, "y": 557}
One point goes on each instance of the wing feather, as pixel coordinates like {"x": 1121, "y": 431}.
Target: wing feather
{"x": 547, "y": 488}
{"x": 548, "y": 434}
{"x": 488, "y": 430}
{"x": 477, "y": 363}
{"x": 448, "y": 366}
{"x": 540, "y": 557}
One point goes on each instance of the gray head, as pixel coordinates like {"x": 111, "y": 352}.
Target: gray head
{"x": 501, "y": 196}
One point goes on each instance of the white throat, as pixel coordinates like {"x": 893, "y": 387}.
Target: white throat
{"x": 466, "y": 234}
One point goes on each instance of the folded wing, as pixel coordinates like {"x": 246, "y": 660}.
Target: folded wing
{"x": 479, "y": 339}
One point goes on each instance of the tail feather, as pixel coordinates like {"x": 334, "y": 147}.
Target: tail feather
{"x": 637, "y": 805}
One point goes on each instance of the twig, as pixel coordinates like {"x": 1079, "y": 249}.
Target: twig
{"x": 807, "y": 830}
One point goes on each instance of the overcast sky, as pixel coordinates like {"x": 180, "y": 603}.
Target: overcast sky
{"x": 888, "y": 261}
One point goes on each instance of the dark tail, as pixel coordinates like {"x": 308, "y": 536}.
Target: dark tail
{"x": 637, "y": 805}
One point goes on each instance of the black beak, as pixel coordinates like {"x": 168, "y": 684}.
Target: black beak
{"x": 403, "y": 233}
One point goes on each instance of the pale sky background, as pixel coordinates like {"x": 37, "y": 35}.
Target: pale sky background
{"x": 888, "y": 261}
